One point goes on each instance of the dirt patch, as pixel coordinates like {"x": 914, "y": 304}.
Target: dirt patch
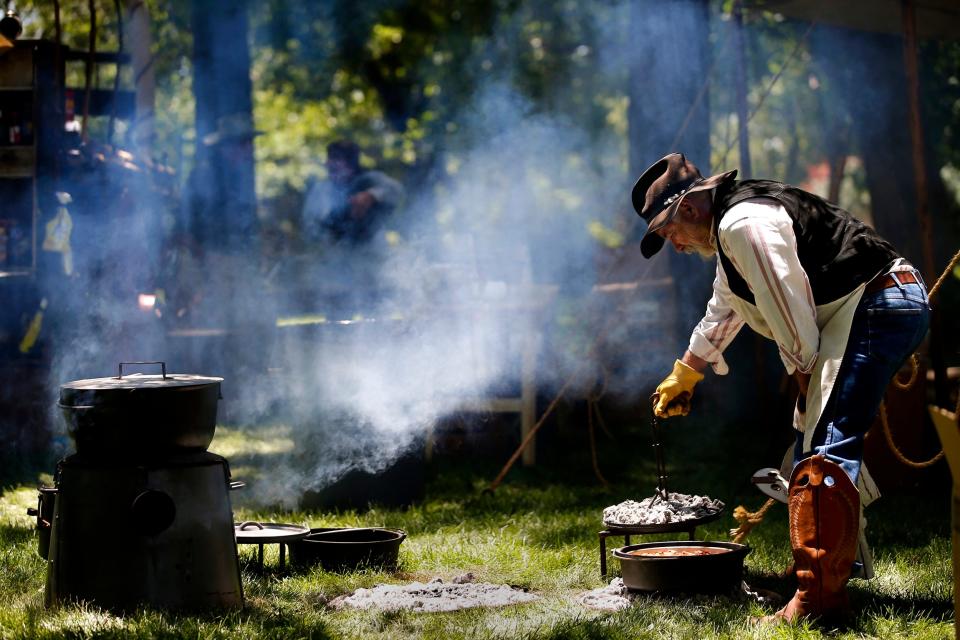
{"x": 434, "y": 596}
{"x": 654, "y": 510}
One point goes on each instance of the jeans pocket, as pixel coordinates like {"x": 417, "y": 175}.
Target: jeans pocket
{"x": 894, "y": 332}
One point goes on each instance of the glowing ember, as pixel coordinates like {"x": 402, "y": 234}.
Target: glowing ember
{"x": 146, "y": 301}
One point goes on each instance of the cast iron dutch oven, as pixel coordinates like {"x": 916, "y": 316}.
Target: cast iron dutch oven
{"x": 686, "y": 566}
{"x": 338, "y": 549}
{"x": 141, "y": 414}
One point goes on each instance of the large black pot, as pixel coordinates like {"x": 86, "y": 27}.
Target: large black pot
{"x": 338, "y": 549}
{"x": 722, "y": 570}
{"x": 141, "y": 415}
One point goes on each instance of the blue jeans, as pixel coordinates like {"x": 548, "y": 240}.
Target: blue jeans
{"x": 888, "y": 325}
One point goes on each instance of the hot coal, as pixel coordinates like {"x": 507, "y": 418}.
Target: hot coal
{"x": 679, "y": 507}
{"x": 433, "y": 596}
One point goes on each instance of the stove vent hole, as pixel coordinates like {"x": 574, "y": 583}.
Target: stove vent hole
{"x": 152, "y": 512}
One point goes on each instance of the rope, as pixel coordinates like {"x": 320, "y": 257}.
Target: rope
{"x": 914, "y": 371}
{"x": 943, "y": 276}
{"x": 903, "y": 386}
{"x": 591, "y": 407}
{"x": 896, "y": 450}
{"x": 748, "y": 520}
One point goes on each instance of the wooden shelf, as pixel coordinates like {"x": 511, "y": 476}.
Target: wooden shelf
{"x": 17, "y": 161}
{"x": 16, "y": 273}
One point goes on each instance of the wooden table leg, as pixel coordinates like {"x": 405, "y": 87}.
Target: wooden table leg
{"x": 283, "y": 555}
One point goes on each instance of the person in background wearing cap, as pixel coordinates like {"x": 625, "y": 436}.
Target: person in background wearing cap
{"x": 342, "y": 223}
{"x": 845, "y": 311}
{"x": 353, "y": 204}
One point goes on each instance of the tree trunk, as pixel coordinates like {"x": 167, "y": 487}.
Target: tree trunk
{"x": 222, "y": 88}
{"x": 138, "y": 42}
{"x": 668, "y": 71}
{"x": 866, "y": 80}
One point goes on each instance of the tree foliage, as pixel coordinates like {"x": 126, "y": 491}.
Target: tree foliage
{"x": 403, "y": 79}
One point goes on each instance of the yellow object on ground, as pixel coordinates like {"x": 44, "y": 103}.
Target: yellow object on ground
{"x": 948, "y": 428}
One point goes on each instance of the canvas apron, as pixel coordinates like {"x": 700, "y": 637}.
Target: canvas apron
{"x": 834, "y": 320}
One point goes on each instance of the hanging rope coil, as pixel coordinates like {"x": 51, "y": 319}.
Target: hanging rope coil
{"x": 914, "y": 374}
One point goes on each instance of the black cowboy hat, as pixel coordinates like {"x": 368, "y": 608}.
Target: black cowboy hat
{"x": 659, "y": 191}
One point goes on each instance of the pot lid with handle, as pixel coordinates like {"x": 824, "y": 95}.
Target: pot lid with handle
{"x": 268, "y": 532}
{"x": 79, "y": 392}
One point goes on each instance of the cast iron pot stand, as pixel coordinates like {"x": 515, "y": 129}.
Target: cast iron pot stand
{"x": 690, "y": 526}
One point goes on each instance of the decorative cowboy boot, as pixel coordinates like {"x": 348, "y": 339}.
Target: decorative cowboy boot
{"x": 824, "y": 522}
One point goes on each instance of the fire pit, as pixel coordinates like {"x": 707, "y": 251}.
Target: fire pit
{"x": 664, "y": 512}
{"x": 687, "y": 524}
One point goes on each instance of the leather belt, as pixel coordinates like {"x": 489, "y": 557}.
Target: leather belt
{"x": 885, "y": 281}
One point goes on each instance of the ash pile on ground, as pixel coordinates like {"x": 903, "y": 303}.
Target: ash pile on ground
{"x": 613, "y": 597}
{"x": 654, "y": 510}
{"x": 461, "y": 593}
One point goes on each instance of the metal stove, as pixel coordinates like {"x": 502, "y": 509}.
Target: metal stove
{"x": 140, "y": 514}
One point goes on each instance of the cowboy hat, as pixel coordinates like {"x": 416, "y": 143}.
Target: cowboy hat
{"x": 659, "y": 191}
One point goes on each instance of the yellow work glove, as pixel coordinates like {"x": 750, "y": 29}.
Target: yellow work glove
{"x": 675, "y": 391}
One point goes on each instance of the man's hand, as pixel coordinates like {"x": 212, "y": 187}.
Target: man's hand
{"x": 803, "y": 381}
{"x": 360, "y": 203}
{"x": 675, "y": 391}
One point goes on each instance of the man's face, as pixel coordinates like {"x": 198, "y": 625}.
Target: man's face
{"x": 690, "y": 231}
{"x": 340, "y": 170}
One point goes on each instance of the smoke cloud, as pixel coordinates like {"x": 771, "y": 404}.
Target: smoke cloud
{"x": 359, "y": 352}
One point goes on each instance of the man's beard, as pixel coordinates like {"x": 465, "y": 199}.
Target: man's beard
{"x": 707, "y": 250}
{"x": 707, "y": 253}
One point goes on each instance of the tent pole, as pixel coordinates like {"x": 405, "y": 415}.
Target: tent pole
{"x": 910, "y": 64}
{"x": 743, "y": 115}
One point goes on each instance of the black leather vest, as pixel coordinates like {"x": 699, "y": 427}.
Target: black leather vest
{"x": 837, "y": 251}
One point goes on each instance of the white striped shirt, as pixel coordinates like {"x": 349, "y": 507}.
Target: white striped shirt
{"x": 757, "y": 236}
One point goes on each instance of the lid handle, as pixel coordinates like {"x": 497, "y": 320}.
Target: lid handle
{"x": 163, "y": 367}
{"x": 249, "y": 523}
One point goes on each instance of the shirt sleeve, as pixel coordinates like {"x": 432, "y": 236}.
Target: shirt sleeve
{"x": 385, "y": 189}
{"x": 719, "y": 326}
{"x": 758, "y": 238}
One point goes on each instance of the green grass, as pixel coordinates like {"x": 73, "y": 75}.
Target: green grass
{"x": 538, "y": 531}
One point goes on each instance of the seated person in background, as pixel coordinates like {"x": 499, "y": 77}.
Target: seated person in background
{"x": 352, "y": 205}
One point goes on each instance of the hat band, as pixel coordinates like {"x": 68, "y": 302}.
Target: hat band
{"x": 672, "y": 193}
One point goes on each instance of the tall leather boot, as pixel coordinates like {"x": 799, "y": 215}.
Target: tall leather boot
{"x": 824, "y": 509}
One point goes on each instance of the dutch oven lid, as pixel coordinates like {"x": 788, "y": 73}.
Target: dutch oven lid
{"x": 141, "y": 381}
{"x": 268, "y": 532}
{"x": 82, "y": 390}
